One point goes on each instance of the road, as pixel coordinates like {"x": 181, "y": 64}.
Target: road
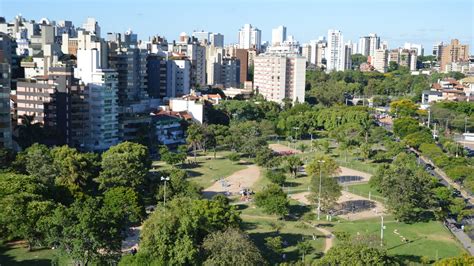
{"x": 463, "y": 238}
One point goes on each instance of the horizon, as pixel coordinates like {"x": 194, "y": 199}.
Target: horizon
{"x": 216, "y": 16}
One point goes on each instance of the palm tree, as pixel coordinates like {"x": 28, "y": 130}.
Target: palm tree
{"x": 195, "y": 138}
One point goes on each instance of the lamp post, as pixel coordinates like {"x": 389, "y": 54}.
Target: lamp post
{"x": 164, "y": 194}
{"x": 319, "y": 193}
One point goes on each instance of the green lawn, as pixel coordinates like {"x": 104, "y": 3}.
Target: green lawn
{"x": 260, "y": 226}
{"x": 429, "y": 239}
{"x": 208, "y": 169}
{"x": 16, "y": 254}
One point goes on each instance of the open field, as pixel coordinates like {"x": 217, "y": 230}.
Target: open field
{"x": 17, "y": 254}
{"x": 429, "y": 239}
{"x": 259, "y": 226}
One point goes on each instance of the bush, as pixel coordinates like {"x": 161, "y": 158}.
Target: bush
{"x": 234, "y": 157}
{"x": 276, "y": 177}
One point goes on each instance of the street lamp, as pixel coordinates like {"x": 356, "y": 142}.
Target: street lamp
{"x": 164, "y": 194}
{"x": 319, "y": 193}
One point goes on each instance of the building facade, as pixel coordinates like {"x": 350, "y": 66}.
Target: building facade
{"x": 279, "y": 76}
{"x": 250, "y": 37}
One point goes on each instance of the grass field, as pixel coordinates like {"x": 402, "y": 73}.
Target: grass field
{"x": 17, "y": 254}
{"x": 208, "y": 169}
{"x": 260, "y": 226}
{"x": 430, "y": 239}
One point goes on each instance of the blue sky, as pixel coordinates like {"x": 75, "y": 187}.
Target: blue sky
{"x": 397, "y": 21}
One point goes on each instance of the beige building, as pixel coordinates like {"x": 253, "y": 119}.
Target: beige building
{"x": 380, "y": 60}
{"x": 454, "y": 52}
{"x": 280, "y": 76}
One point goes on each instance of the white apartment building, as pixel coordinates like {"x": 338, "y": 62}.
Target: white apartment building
{"x": 278, "y": 35}
{"x": 250, "y": 37}
{"x": 280, "y": 76}
{"x": 368, "y": 44}
{"x": 179, "y": 77}
{"x": 335, "y": 52}
{"x": 194, "y": 107}
{"x": 91, "y": 25}
{"x": 100, "y": 129}
{"x": 413, "y": 46}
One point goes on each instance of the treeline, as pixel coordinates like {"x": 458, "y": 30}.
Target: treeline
{"x": 330, "y": 88}
{"x": 82, "y": 203}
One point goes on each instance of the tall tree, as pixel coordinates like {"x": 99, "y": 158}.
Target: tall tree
{"x": 195, "y": 137}
{"x": 231, "y": 247}
{"x": 322, "y": 170}
{"x": 126, "y": 164}
{"x": 293, "y": 163}
{"x": 173, "y": 236}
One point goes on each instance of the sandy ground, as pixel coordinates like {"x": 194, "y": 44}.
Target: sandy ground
{"x": 282, "y": 148}
{"x": 241, "y": 179}
{"x": 347, "y": 198}
{"x": 351, "y": 172}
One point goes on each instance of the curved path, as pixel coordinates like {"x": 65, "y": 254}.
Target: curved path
{"x": 244, "y": 178}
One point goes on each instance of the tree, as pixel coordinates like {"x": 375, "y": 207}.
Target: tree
{"x": 173, "y": 236}
{"x": 273, "y": 200}
{"x": 231, "y": 247}
{"x": 407, "y": 187}
{"x": 38, "y": 163}
{"x": 302, "y": 147}
{"x": 24, "y": 208}
{"x": 304, "y": 247}
{"x": 123, "y": 205}
{"x": 293, "y": 164}
{"x": 195, "y": 137}
{"x": 357, "y": 60}
{"x": 324, "y": 167}
{"x": 392, "y": 66}
{"x": 276, "y": 177}
{"x": 263, "y": 156}
{"x": 403, "y": 108}
{"x": 85, "y": 231}
{"x": 74, "y": 170}
{"x": 274, "y": 244}
{"x": 460, "y": 260}
{"x": 126, "y": 164}
{"x": 405, "y": 126}
{"x": 417, "y": 138}
{"x": 348, "y": 253}
{"x": 7, "y": 157}
{"x": 365, "y": 151}
{"x": 178, "y": 186}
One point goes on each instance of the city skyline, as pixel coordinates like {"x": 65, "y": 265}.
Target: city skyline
{"x": 353, "y": 21}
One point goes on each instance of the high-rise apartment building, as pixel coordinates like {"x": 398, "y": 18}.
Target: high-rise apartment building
{"x": 250, "y": 37}
{"x": 156, "y": 82}
{"x": 335, "y": 51}
{"x": 5, "y": 87}
{"x": 453, "y": 53}
{"x": 99, "y": 128}
{"x": 280, "y": 76}
{"x": 92, "y": 26}
{"x": 380, "y": 60}
{"x": 368, "y": 44}
{"x": 230, "y": 72}
{"x": 413, "y": 46}
{"x": 278, "y": 35}
{"x": 437, "y": 50}
{"x": 179, "y": 77}
{"x": 5, "y": 120}
{"x": 243, "y": 57}
{"x": 216, "y": 39}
